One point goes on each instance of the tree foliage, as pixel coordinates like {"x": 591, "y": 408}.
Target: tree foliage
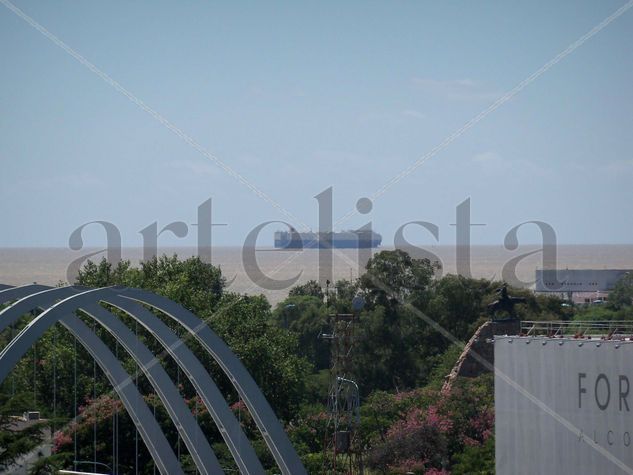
{"x": 622, "y": 294}
{"x": 431, "y": 429}
{"x": 270, "y": 353}
{"x": 394, "y": 277}
{"x": 400, "y": 360}
{"x": 16, "y": 437}
{"x": 305, "y": 316}
{"x": 310, "y": 289}
{"x": 191, "y": 282}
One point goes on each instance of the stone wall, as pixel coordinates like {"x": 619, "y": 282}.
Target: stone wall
{"x": 478, "y": 354}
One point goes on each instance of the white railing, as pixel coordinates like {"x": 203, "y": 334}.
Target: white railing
{"x": 580, "y": 329}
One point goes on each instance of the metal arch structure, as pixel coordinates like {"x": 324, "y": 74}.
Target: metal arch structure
{"x": 119, "y": 378}
{"x": 229, "y": 427}
{"x": 195, "y": 440}
{"x": 141, "y": 415}
{"x": 268, "y": 424}
{"x": 149, "y": 429}
{"x": 204, "y": 458}
{"x": 37, "y": 296}
{"x": 13, "y": 293}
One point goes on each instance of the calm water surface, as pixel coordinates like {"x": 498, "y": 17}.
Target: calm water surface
{"x": 49, "y": 265}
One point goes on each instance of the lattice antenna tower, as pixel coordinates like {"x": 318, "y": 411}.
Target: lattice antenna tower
{"x": 342, "y": 449}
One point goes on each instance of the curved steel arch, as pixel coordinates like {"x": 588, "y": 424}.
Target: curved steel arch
{"x": 262, "y": 413}
{"x": 230, "y": 429}
{"x": 151, "y": 433}
{"x": 195, "y": 440}
{"x": 31, "y": 297}
{"x": 13, "y": 293}
{"x": 268, "y": 424}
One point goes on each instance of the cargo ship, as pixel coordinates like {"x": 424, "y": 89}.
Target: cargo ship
{"x": 352, "y": 239}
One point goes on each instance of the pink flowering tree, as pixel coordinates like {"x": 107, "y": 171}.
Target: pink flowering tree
{"x": 431, "y": 429}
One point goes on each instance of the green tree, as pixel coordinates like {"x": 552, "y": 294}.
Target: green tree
{"x": 16, "y": 440}
{"x": 475, "y": 459}
{"x": 391, "y": 339}
{"x": 344, "y": 291}
{"x": 306, "y": 317}
{"x": 190, "y": 282}
{"x": 104, "y": 274}
{"x": 311, "y": 289}
{"x": 622, "y": 293}
{"x": 269, "y": 353}
{"x": 457, "y": 303}
{"x": 394, "y": 277}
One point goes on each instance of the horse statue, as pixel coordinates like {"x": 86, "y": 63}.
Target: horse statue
{"x": 504, "y": 302}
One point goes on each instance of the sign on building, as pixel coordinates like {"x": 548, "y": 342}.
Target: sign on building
{"x": 563, "y": 406}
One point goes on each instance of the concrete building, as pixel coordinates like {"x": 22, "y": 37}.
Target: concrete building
{"x": 578, "y": 285}
{"x": 563, "y": 399}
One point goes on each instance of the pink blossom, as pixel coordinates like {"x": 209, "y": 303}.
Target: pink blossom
{"x": 60, "y": 439}
{"x": 238, "y": 406}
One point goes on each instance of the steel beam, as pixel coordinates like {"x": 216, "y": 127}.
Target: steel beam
{"x": 195, "y": 440}
{"x": 237, "y": 442}
{"x": 266, "y": 420}
{"x": 150, "y": 431}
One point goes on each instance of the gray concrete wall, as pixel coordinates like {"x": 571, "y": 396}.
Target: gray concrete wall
{"x": 577, "y": 280}
{"x": 563, "y": 406}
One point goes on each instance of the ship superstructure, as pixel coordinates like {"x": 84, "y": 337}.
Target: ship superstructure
{"x": 351, "y": 239}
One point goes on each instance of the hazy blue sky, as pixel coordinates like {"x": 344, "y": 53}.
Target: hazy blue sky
{"x": 300, "y": 96}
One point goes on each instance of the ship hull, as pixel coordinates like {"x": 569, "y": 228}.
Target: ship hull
{"x": 323, "y": 245}
{"x": 286, "y": 240}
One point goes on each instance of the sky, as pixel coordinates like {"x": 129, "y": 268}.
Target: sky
{"x": 261, "y": 106}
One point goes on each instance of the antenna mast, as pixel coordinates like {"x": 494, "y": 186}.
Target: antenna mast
{"x": 342, "y": 452}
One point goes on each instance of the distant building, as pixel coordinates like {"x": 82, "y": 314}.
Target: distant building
{"x": 579, "y": 285}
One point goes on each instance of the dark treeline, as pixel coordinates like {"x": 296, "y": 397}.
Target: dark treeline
{"x": 400, "y": 362}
